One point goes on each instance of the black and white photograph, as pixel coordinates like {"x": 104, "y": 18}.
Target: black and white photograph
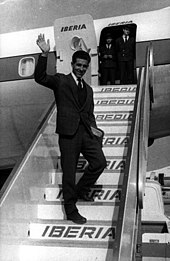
{"x": 84, "y": 130}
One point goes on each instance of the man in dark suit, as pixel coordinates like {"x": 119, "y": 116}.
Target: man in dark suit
{"x": 75, "y": 119}
{"x": 107, "y": 58}
{"x": 125, "y": 47}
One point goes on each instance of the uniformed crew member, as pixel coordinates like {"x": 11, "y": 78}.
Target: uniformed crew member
{"x": 107, "y": 58}
{"x": 125, "y": 48}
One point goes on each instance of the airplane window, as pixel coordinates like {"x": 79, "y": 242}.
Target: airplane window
{"x": 26, "y": 66}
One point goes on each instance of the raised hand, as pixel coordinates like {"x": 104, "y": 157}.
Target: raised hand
{"x": 43, "y": 45}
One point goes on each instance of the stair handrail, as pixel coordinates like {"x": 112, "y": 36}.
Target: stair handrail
{"x": 133, "y": 186}
{"x": 145, "y": 107}
{"x": 151, "y": 72}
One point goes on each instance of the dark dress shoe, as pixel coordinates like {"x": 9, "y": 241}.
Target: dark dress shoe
{"x": 85, "y": 197}
{"x": 76, "y": 218}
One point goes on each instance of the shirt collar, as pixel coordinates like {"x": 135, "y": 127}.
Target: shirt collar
{"x": 126, "y": 36}
{"x": 108, "y": 45}
{"x": 74, "y": 77}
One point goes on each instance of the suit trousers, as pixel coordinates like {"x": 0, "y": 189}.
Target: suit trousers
{"x": 71, "y": 147}
{"x": 126, "y": 72}
{"x": 108, "y": 74}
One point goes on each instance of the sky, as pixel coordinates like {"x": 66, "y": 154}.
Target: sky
{"x": 18, "y": 15}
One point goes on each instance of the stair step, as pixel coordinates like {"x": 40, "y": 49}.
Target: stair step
{"x": 116, "y": 130}
{"x": 108, "y": 177}
{"x": 112, "y": 139}
{"x": 114, "y": 117}
{"x": 117, "y": 118}
{"x": 109, "y": 139}
{"x": 113, "y": 151}
{"x": 120, "y": 89}
{"x": 51, "y": 173}
{"x": 91, "y": 232}
{"x": 92, "y": 211}
{"x": 113, "y": 102}
{"x": 55, "y": 210}
{"x": 110, "y": 99}
{"x": 117, "y": 108}
{"x": 35, "y": 250}
{"x": 114, "y": 98}
{"x": 54, "y": 151}
{"x": 100, "y": 193}
{"x": 107, "y": 116}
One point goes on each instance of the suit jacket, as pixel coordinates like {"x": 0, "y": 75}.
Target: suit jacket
{"x": 69, "y": 111}
{"x": 125, "y": 51}
{"x": 109, "y": 62}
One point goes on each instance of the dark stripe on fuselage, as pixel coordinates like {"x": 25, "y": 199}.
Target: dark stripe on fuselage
{"x": 9, "y": 65}
{"x": 161, "y": 50}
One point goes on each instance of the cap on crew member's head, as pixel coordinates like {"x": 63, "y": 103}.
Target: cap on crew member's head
{"x": 109, "y": 36}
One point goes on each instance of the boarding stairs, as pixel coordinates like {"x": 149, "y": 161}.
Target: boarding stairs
{"x": 93, "y": 241}
{"x": 39, "y": 216}
{"x": 32, "y": 219}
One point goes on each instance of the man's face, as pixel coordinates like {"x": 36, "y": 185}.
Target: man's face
{"x": 108, "y": 40}
{"x": 80, "y": 67}
{"x": 126, "y": 31}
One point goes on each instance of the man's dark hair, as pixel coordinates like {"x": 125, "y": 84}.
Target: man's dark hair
{"x": 81, "y": 55}
{"x": 126, "y": 27}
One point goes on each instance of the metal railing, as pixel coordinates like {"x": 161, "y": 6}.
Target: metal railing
{"x": 135, "y": 171}
{"x": 145, "y": 107}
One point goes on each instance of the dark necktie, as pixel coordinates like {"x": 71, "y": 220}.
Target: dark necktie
{"x": 81, "y": 92}
{"x": 79, "y": 83}
{"x": 125, "y": 38}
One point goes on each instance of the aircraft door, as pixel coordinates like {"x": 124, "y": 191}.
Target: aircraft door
{"x": 116, "y": 32}
{"x": 72, "y": 34}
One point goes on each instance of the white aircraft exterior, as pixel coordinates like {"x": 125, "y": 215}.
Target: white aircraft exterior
{"x": 151, "y": 26}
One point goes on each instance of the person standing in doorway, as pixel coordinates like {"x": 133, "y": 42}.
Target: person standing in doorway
{"x": 125, "y": 48}
{"x": 75, "y": 125}
{"x": 107, "y": 57}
